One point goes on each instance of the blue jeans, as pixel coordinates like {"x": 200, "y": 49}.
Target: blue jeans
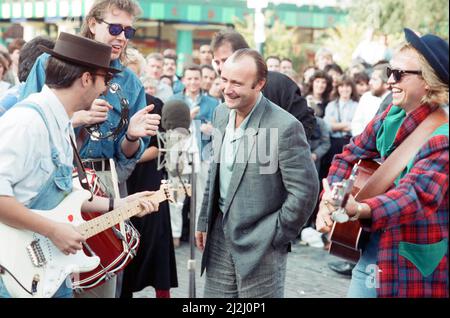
{"x": 223, "y": 281}
{"x": 365, "y": 274}
{"x": 62, "y": 292}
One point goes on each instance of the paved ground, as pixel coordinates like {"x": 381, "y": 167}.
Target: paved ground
{"x": 307, "y": 275}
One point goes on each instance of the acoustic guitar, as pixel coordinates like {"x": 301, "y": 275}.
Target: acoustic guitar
{"x": 348, "y": 239}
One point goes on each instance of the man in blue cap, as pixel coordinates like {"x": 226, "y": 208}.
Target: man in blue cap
{"x": 407, "y": 252}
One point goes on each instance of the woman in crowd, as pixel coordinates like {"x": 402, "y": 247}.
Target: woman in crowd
{"x": 338, "y": 116}
{"x": 318, "y": 94}
{"x": 154, "y": 265}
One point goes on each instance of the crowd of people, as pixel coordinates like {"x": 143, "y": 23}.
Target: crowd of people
{"x": 270, "y": 146}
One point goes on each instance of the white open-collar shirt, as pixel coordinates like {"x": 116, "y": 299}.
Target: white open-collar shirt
{"x": 25, "y": 152}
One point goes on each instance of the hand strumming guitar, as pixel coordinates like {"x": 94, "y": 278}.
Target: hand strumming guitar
{"x": 147, "y": 204}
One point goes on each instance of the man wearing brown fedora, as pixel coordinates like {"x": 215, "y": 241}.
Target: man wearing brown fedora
{"x": 110, "y": 22}
{"x": 37, "y": 156}
{"x": 406, "y": 205}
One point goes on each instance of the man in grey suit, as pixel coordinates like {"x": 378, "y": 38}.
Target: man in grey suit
{"x": 262, "y": 187}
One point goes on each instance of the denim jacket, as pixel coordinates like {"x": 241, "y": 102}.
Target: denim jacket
{"x": 106, "y": 148}
{"x": 10, "y": 98}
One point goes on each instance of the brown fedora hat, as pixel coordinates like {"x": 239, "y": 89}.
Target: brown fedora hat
{"x": 81, "y": 51}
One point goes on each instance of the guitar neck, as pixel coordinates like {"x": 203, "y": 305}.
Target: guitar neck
{"x": 107, "y": 220}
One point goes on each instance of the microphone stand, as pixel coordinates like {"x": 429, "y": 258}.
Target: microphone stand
{"x": 191, "y": 262}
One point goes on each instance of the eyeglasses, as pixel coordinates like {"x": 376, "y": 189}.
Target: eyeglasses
{"x": 107, "y": 76}
{"x": 398, "y": 74}
{"x": 115, "y": 29}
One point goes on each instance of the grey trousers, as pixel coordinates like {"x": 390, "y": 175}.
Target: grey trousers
{"x": 223, "y": 281}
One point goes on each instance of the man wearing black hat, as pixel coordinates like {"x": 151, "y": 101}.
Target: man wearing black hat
{"x": 36, "y": 166}
{"x": 407, "y": 252}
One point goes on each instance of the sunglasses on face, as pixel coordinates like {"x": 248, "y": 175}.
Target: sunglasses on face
{"x": 108, "y": 77}
{"x": 398, "y": 74}
{"x": 115, "y": 29}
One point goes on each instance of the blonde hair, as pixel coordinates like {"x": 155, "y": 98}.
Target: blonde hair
{"x": 323, "y": 52}
{"x": 148, "y": 81}
{"x": 133, "y": 56}
{"x": 99, "y": 9}
{"x": 155, "y": 56}
{"x": 437, "y": 93}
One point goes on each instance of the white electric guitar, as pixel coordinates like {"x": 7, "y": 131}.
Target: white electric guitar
{"x": 34, "y": 267}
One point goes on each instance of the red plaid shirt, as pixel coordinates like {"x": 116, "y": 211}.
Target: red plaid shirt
{"x": 415, "y": 211}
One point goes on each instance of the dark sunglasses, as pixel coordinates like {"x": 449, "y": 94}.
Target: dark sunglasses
{"x": 108, "y": 77}
{"x": 398, "y": 74}
{"x": 115, "y": 29}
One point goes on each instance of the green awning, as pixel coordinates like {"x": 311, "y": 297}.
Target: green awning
{"x": 186, "y": 11}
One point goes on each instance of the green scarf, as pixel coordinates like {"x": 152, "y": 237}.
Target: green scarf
{"x": 386, "y": 135}
{"x": 388, "y": 130}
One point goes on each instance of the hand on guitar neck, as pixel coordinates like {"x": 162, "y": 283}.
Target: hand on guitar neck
{"x": 339, "y": 212}
{"x": 68, "y": 239}
{"x": 37, "y": 263}
{"x": 147, "y": 204}
{"x": 328, "y": 205}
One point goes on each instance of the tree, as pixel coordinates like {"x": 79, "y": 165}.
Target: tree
{"x": 391, "y": 16}
{"x": 385, "y": 17}
{"x": 281, "y": 41}
{"x": 342, "y": 41}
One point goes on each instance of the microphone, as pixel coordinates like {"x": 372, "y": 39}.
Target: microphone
{"x": 177, "y": 142}
{"x": 175, "y": 114}
{"x": 181, "y": 159}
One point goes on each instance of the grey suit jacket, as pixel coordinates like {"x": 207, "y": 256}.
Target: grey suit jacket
{"x": 273, "y": 189}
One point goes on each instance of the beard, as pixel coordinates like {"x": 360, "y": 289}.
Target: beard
{"x": 378, "y": 92}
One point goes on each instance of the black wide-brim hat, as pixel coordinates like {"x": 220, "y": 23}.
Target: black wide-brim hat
{"x": 81, "y": 51}
{"x": 434, "y": 49}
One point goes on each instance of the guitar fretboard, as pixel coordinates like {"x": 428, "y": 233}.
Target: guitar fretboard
{"x": 107, "y": 220}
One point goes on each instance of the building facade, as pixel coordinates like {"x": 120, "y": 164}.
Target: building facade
{"x": 182, "y": 25}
